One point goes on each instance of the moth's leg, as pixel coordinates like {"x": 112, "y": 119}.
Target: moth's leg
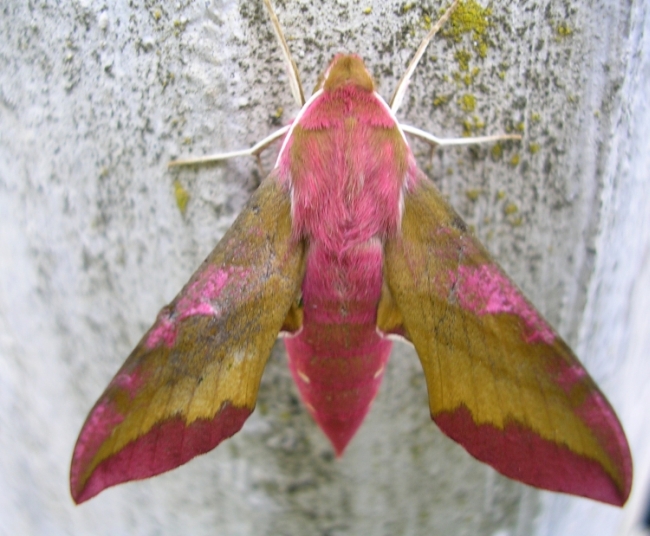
{"x": 292, "y": 70}
{"x": 445, "y": 142}
{"x": 400, "y": 90}
{"x": 255, "y": 150}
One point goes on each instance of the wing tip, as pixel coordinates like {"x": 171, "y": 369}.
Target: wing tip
{"x": 166, "y": 446}
{"x": 520, "y": 454}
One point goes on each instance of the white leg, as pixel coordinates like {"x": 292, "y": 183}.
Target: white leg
{"x": 444, "y": 142}
{"x": 255, "y": 150}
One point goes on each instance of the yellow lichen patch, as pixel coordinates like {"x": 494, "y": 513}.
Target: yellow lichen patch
{"x": 179, "y": 25}
{"x": 439, "y": 100}
{"x": 471, "y": 126}
{"x": 473, "y": 194}
{"x": 519, "y": 127}
{"x": 157, "y": 14}
{"x": 501, "y": 195}
{"x": 514, "y": 160}
{"x": 510, "y": 209}
{"x": 278, "y": 113}
{"x": 533, "y": 148}
{"x": 467, "y": 102}
{"x": 517, "y": 222}
{"x": 535, "y": 117}
{"x": 367, "y": 10}
{"x": 466, "y": 78}
{"x": 497, "y": 151}
{"x": 470, "y": 17}
{"x": 462, "y": 57}
{"x": 182, "y": 196}
{"x": 407, "y": 7}
{"x": 563, "y": 30}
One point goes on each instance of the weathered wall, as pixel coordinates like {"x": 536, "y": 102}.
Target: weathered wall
{"x": 94, "y": 101}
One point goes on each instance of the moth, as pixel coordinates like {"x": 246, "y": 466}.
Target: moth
{"x": 344, "y": 246}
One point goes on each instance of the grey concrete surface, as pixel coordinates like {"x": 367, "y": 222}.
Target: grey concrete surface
{"x": 96, "y": 98}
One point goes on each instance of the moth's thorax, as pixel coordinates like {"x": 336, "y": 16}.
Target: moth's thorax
{"x": 346, "y": 162}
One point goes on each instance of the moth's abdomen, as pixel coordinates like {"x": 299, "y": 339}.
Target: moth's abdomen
{"x": 338, "y": 358}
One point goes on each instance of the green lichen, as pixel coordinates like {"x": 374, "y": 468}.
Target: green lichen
{"x": 463, "y": 58}
{"x": 473, "y": 194}
{"x": 468, "y": 17}
{"x": 471, "y": 126}
{"x": 182, "y": 196}
{"x": 497, "y": 151}
{"x": 467, "y": 102}
{"x": 563, "y": 30}
{"x": 510, "y": 209}
{"x": 439, "y": 100}
{"x": 407, "y": 7}
{"x": 467, "y": 79}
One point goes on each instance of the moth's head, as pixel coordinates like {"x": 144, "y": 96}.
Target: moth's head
{"x": 346, "y": 69}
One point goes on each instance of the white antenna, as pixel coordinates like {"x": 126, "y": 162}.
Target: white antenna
{"x": 292, "y": 70}
{"x": 403, "y": 84}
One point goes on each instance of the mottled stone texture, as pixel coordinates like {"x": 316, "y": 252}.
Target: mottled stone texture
{"x": 95, "y": 98}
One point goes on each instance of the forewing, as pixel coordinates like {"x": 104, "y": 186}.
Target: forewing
{"x": 501, "y": 382}
{"x": 192, "y": 380}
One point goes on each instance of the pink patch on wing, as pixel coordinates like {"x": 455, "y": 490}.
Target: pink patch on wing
{"x": 519, "y": 453}
{"x": 485, "y": 290}
{"x": 128, "y": 382}
{"x": 163, "y": 332}
{"x": 199, "y": 295}
{"x": 197, "y": 299}
{"x": 165, "y": 447}
{"x": 566, "y": 375}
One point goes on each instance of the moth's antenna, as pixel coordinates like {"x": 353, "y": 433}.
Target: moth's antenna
{"x": 398, "y": 96}
{"x": 292, "y": 70}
